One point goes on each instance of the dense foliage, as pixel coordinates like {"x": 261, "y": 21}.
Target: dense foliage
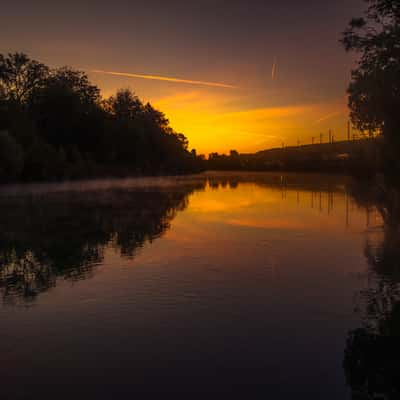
{"x": 54, "y": 124}
{"x": 374, "y": 91}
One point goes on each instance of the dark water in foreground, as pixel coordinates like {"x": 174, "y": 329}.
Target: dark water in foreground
{"x": 214, "y": 283}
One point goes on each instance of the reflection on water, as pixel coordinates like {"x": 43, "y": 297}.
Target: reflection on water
{"x": 52, "y": 235}
{"x": 48, "y": 233}
{"x": 373, "y": 350}
{"x": 259, "y": 274}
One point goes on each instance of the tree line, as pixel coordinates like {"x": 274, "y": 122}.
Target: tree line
{"x": 54, "y": 124}
{"x": 374, "y": 90}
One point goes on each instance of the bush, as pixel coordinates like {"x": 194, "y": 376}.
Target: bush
{"x": 11, "y": 157}
{"x": 43, "y": 161}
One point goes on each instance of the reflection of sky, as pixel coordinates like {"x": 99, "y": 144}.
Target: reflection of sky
{"x": 244, "y": 280}
{"x": 258, "y": 221}
{"x": 260, "y": 207}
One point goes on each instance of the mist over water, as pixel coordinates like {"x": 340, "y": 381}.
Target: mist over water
{"x": 210, "y": 283}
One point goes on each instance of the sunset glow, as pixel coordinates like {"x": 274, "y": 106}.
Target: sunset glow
{"x": 199, "y": 198}
{"x": 260, "y": 79}
{"x": 212, "y": 124}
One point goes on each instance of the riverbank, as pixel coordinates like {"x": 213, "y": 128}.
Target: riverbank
{"x": 360, "y": 157}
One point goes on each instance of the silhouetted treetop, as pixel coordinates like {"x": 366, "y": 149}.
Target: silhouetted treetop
{"x": 374, "y": 90}
{"x": 77, "y": 82}
{"x": 56, "y": 125}
{"x": 375, "y": 87}
{"x": 125, "y": 105}
{"x": 20, "y": 76}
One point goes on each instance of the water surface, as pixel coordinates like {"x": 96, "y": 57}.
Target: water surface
{"x": 208, "y": 283}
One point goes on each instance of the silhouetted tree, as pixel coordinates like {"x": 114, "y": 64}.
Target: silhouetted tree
{"x": 66, "y": 110}
{"x": 11, "y": 157}
{"x": 64, "y": 129}
{"x": 374, "y": 91}
{"x": 125, "y": 105}
{"x": 20, "y": 77}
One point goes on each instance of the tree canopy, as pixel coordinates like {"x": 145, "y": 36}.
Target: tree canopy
{"x": 374, "y": 91}
{"x": 56, "y": 125}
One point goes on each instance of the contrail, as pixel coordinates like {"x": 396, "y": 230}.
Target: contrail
{"x": 329, "y": 116}
{"x": 273, "y": 72}
{"x": 166, "y": 78}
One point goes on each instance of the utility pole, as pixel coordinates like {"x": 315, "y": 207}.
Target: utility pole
{"x": 330, "y": 136}
{"x": 348, "y": 130}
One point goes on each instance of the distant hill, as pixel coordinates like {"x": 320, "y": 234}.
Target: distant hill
{"x": 344, "y": 156}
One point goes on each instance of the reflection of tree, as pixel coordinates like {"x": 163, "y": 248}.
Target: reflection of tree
{"x": 288, "y": 180}
{"x": 373, "y": 351}
{"x": 64, "y": 235}
{"x": 371, "y": 366}
{"x": 48, "y": 236}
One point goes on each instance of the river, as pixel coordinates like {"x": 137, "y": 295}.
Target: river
{"x": 212, "y": 283}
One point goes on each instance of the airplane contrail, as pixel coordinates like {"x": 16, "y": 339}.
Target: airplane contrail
{"x": 273, "y": 72}
{"x": 328, "y": 116}
{"x": 165, "y": 78}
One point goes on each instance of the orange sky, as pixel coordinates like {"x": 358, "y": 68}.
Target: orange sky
{"x": 229, "y": 75}
{"x": 211, "y": 124}
{"x": 245, "y": 118}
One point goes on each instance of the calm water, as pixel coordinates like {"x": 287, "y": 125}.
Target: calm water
{"x": 210, "y": 283}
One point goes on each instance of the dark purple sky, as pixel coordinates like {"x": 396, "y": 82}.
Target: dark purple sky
{"x": 233, "y": 42}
